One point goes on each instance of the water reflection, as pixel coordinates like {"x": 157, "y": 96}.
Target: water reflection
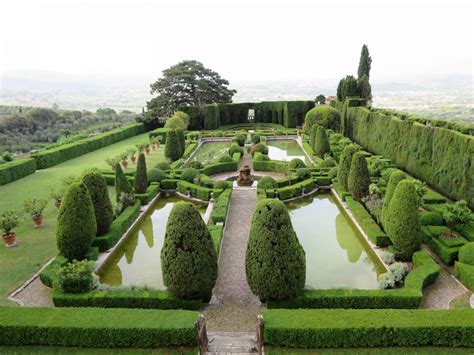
{"x": 285, "y": 150}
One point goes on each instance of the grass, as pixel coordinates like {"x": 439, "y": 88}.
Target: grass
{"x": 37, "y": 245}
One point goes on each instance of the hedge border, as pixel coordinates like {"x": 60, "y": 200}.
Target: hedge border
{"x": 16, "y": 169}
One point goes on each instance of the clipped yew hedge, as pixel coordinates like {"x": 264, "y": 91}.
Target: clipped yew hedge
{"x": 16, "y": 169}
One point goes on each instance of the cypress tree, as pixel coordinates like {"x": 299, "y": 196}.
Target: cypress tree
{"x": 275, "y": 261}
{"x": 393, "y": 181}
{"x": 321, "y": 142}
{"x": 339, "y": 90}
{"x": 349, "y": 87}
{"x": 182, "y": 141}
{"x": 345, "y": 165}
{"x": 173, "y": 147}
{"x": 140, "y": 183}
{"x": 312, "y": 135}
{"x": 359, "y": 177}
{"x": 104, "y": 214}
{"x": 121, "y": 183}
{"x": 76, "y": 227}
{"x": 403, "y": 220}
{"x": 365, "y": 63}
{"x": 188, "y": 257}
{"x": 365, "y": 90}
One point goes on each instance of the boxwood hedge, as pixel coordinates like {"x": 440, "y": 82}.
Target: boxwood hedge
{"x": 16, "y": 169}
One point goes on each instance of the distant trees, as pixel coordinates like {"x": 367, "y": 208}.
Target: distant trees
{"x": 320, "y": 99}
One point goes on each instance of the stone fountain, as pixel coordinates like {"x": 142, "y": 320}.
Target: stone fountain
{"x": 245, "y": 178}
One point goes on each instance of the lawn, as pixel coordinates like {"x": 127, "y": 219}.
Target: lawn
{"x": 37, "y": 245}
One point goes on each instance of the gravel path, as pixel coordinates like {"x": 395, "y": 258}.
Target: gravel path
{"x": 233, "y": 305}
{"x": 35, "y": 295}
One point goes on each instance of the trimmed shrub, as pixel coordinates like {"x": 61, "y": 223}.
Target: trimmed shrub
{"x": 260, "y": 147}
{"x": 189, "y": 174}
{"x": 156, "y": 175}
{"x": 221, "y": 185}
{"x": 303, "y": 173}
{"x": 76, "y": 227}
{"x": 235, "y": 148}
{"x": 225, "y": 159}
{"x": 466, "y": 254}
{"x": 261, "y": 157}
{"x": 465, "y": 273}
{"x": 104, "y": 214}
{"x": 359, "y": 177}
{"x": 431, "y": 219}
{"x": 328, "y": 162}
{"x": 312, "y": 136}
{"x": 16, "y": 169}
{"x": 321, "y": 142}
{"x": 267, "y": 182}
{"x": 395, "y": 177}
{"x": 195, "y": 164}
{"x": 239, "y": 139}
{"x": 345, "y": 165}
{"x": 178, "y": 120}
{"x": 325, "y": 116}
{"x": 122, "y": 185}
{"x": 173, "y": 147}
{"x": 182, "y": 140}
{"x": 188, "y": 257}
{"x": 255, "y": 139}
{"x": 140, "y": 183}
{"x": 275, "y": 261}
{"x": 402, "y": 220}
{"x": 163, "y": 165}
{"x": 296, "y": 163}
{"x": 76, "y": 277}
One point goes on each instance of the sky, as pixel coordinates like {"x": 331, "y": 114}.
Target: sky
{"x": 246, "y": 41}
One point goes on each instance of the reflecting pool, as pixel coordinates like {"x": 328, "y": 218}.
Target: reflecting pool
{"x": 210, "y": 152}
{"x": 285, "y": 150}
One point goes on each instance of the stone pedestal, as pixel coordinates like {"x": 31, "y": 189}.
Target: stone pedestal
{"x": 245, "y": 178}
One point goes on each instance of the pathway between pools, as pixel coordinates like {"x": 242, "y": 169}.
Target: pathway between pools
{"x": 232, "y": 314}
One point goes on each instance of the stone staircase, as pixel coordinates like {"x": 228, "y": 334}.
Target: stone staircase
{"x": 232, "y": 343}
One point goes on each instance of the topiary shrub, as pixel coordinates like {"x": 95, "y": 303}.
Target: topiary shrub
{"x": 163, "y": 165}
{"x": 255, "y": 139}
{"x": 182, "y": 140}
{"x": 76, "y": 277}
{"x": 239, "y": 139}
{"x": 103, "y": 210}
{"x": 225, "y": 159}
{"x": 359, "y": 177}
{"x": 402, "y": 220}
{"x": 303, "y": 173}
{"x": 173, "y": 148}
{"x": 220, "y": 184}
{"x": 275, "y": 261}
{"x": 235, "y": 148}
{"x": 156, "y": 175}
{"x": 328, "y": 162}
{"x": 188, "y": 257}
{"x": 140, "y": 183}
{"x": 431, "y": 219}
{"x": 296, "y": 163}
{"x": 189, "y": 174}
{"x": 325, "y": 116}
{"x": 466, "y": 253}
{"x": 312, "y": 135}
{"x": 76, "y": 227}
{"x": 395, "y": 177}
{"x": 345, "y": 165}
{"x": 321, "y": 142}
{"x": 195, "y": 164}
{"x": 122, "y": 185}
{"x": 262, "y": 158}
{"x": 260, "y": 147}
{"x": 267, "y": 182}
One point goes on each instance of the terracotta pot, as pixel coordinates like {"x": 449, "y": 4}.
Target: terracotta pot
{"x": 38, "y": 220}
{"x": 125, "y": 164}
{"x": 133, "y": 159}
{"x": 9, "y": 239}
{"x": 57, "y": 204}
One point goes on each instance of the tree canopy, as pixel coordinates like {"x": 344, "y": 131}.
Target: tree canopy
{"x": 365, "y": 63}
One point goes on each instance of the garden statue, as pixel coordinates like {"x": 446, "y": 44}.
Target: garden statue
{"x": 245, "y": 178}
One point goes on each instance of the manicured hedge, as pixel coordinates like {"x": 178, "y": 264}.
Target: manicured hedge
{"x": 295, "y": 190}
{"x": 200, "y": 192}
{"x": 50, "y": 157}
{"x": 465, "y": 273}
{"x": 219, "y": 211}
{"x": 443, "y": 158}
{"x": 150, "y": 193}
{"x": 169, "y": 184}
{"x": 271, "y": 165}
{"x": 134, "y": 298}
{"x": 216, "y": 235}
{"x": 336, "y": 328}
{"x": 220, "y": 168}
{"x": 97, "y": 328}
{"x": 16, "y": 169}
{"x": 118, "y": 227}
{"x": 161, "y": 133}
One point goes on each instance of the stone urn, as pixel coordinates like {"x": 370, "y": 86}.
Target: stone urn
{"x": 245, "y": 178}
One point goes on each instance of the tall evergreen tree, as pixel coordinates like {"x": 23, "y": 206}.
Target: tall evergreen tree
{"x": 339, "y": 90}
{"x": 141, "y": 181}
{"x": 349, "y": 87}
{"x": 345, "y": 165}
{"x": 365, "y": 90}
{"x": 359, "y": 177}
{"x": 365, "y": 63}
{"x": 173, "y": 148}
{"x": 321, "y": 142}
{"x": 121, "y": 183}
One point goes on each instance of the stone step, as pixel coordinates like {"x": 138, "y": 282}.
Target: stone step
{"x": 232, "y": 342}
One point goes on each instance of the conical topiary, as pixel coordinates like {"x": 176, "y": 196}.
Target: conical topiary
{"x": 188, "y": 257}
{"x": 345, "y": 165}
{"x": 122, "y": 185}
{"x": 140, "y": 183}
{"x": 173, "y": 149}
{"x": 275, "y": 261}
{"x": 104, "y": 213}
{"x": 403, "y": 220}
{"x": 312, "y": 135}
{"x": 321, "y": 142}
{"x": 76, "y": 227}
{"x": 359, "y": 177}
{"x": 393, "y": 181}
{"x": 182, "y": 140}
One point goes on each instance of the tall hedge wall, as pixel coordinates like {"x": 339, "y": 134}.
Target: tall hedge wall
{"x": 47, "y": 158}
{"x": 16, "y": 169}
{"x": 443, "y": 158}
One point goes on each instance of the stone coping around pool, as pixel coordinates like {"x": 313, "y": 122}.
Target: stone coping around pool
{"x": 299, "y": 141}
{"x": 372, "y": 246}
{"x": 203, "y": 141}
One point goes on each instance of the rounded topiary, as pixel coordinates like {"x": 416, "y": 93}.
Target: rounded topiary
{"x": 296, "y": 163}
{"x": 321, "y": 142}
{"x": 267, "y": 182}
{"x": 359, "y": 177}
{"x": 140, "y": 183}
{"x": 189, "y": 174}
{"x": 328, "y": 162}
{"x": 195, "y": 164}
{"x": 262, "y": 157}
{"x": 163, "y": 165}
{"x": 395, "y": 177}
{"x": 466, "y": 253}
{"x": 402, "y": 220}
{"x": 220, "y": 184}
{"x": 239, "y": 139}
{"x": 312, "y": 135}
{"x": 260, "y": 147}
{"x": 428, "y": 218}
{"x": 235, "y": 148}
{"x": 173, "y": 148}
{"x": 156, "y": 175}
{"x": 76, "y": 227}
{"x": 345, "y": 165}
{"x": 225, "y": 159}
{"x": 103, "y": 210}
{"x": 325, "y": 116}
{"x": 303, "y": 173}
{"x": 275, "y": 261}
{"x": 122, "y": 185}
{"x": 255, "y": 139}
{"x": 188, "y": 257}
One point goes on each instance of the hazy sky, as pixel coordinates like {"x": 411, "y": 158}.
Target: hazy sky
{"x": 244, "y": 41}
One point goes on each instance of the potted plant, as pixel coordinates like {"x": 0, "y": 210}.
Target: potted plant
{"x": 155, "y": 142}
{"x": 147, "y": 149}
{"x": 141, "y": 146}
{"x": 35, "y": 208}
{"x": 111, "y": 162}
{"x": 131, "y": 153}
{"x": 57, "y": 195}
{"x": 124, "y": 160}
{"x": 8, "y": 221}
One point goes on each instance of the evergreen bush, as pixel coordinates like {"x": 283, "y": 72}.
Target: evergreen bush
{"x": 325, "y": 116}
{"x": 312, "y": 135}
{"x": 303, "y": 173}
{"x": 466, "y": 253}
{"x": 235, "y": 148}
{"x": 104, "y": 213}
{"x": 359, "y": 177}
{"x": 296, "y": 163}
{"x": 402, "y": 222}
{"x": 163, "y": 165}
{"x": 255, "y": 139}
{"x": 156, "y": 175}
{"x": 188, "y": 257}
{"x": 321, "y": 142}
{"x": 173, "y": 147}
{"x": 225, "y": 159}
{"x": 182, "y": 140}
{"x": 76, "y": 226}
{"x": 140, "y": 183}
{"x": 189, "y": 174}
{"x": 275, "y": 261}
{"x": 76, "y": 277}
{"x": 345, "y": 165}
{"x": 195, "y": 164}
{"x": 267, "y": 182}
{"x": 122, "y": 185}
{"x": 328, "y": 162}
{"x": 260, "y": 147}
{"x": 395, "y": 177}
